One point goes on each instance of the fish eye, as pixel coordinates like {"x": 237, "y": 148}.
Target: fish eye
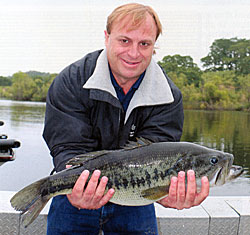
{"x": 214, "y": 160}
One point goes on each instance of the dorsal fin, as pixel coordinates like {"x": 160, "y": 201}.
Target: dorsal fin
{"x": 140, "y": 141}
{"x": 143, "y": 141}
{"x": 79, "y": 160}
{"x": 82, "y": 158}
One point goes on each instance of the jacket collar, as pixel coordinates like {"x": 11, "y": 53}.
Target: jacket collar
{"x": 154, "y": 89}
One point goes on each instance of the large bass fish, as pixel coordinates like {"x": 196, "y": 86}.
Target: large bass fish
{"x": 140, "y": 173}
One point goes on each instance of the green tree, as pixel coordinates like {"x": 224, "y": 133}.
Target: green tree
{"x": 228, "y": 54}
{"x": 218, "y": 91}
{"x": 42, "y": 84}
{"x": 243, "y": 89}
{"x": 23, "y": 87}
{"x": 5, "y": 81}
{"x": 29, "y": 86}
{"x": 182, "y": 65}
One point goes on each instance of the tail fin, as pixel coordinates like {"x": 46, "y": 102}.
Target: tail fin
{"x": 30, "y": 201}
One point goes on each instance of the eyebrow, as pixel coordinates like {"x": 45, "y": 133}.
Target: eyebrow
{"x": 144, "y": 40}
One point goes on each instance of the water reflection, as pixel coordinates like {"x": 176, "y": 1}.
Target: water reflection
{"x": 31, "y": 114}
{"x": 226, "y": 131}
{"x": 24, "y": 121}
{"x": 19, "y": 113}
{"x": 222, "y": 130}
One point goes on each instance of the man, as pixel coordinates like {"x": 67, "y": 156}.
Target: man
{"x": 102, "y": 101}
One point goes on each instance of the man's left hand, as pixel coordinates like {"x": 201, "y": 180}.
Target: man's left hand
{"x": 179, "y": 198}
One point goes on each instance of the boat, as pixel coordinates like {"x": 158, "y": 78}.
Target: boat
{"x": 6, "y": 148}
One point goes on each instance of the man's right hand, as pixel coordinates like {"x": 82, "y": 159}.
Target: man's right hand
{"x": 93, "y": 196}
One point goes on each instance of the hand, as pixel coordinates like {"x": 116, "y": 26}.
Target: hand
{"x": 178, "y": 197}
{"x": 93, "y": 196}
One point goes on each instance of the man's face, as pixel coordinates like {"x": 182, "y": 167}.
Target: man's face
{"x": 130, "y": 51}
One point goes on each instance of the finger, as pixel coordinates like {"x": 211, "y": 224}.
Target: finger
{"x": 191, "y": 189}
{"x": 100, "y": 189}
{"x": 164, "y": 201}
{"x": 92, "y": 185}
{"x": 181, "y": 191}
{"x": 204, "y": 191}
{"x": 172, "y": 195}
{"x": 105, "y": 199}
{"x": 78, "y": 188}
{"x": 68, "y": 166}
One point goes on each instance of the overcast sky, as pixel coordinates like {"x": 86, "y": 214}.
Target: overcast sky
{"x": 47, "y": 35}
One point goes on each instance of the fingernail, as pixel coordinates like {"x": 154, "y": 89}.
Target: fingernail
{"x": 85, "y": 172}
{"x": 105, "y": 179}
{"x": 111, "y": 191}
{"x": 190, "y": 172}
{"x": 174, "y": 179}
{"x": 204, "y": 178}
{"x": 181, "y": 174}
{"x": 97, "y": 172}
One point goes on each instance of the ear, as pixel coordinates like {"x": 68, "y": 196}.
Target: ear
{"x": 106, "y": 37}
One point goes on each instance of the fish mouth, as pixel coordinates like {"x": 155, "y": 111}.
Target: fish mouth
{"x": 227, "y": 173}
{"x": 218, "y": 178}
{"x": 234, "y": 172}
{"x": 223, "y": 171}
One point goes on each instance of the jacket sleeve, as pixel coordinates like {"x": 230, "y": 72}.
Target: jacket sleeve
{"x": 165, "y": 122}
{"x": 68, "y": 129}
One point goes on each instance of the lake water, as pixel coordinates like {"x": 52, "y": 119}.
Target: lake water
{"x": 226, "y": 131}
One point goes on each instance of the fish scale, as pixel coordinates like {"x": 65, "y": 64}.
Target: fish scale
{"x": 139, "y": 181}
{"x": 140, "y": 173}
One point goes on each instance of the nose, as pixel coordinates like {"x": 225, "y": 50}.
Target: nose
{"x": 133, "y": 51}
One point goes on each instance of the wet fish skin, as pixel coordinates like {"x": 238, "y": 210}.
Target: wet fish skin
{"x": 140, "y": 174}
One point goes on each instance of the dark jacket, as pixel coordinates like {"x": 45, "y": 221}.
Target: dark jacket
{"x": 84, "y": 114}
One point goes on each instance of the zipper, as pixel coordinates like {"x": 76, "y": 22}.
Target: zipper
{"x": 121, "y": 117}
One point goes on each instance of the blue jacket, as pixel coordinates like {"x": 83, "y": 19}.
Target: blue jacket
{"x": 84, "y": 114}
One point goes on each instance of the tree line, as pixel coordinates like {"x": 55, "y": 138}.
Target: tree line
{"x": 29, "y": 86}
{"x": 224, "y": 82}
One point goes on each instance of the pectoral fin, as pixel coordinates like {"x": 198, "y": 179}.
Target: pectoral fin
{"x": 155, "y": 193}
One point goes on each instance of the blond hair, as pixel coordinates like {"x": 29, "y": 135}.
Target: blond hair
{"x": 138, "y": 13}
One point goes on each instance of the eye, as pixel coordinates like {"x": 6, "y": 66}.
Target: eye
{"x": 144, "y": 44}
{"x": 214, "y": 160}
{"x": 124, "y": 41}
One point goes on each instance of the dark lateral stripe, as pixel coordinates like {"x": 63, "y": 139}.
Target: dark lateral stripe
{"x": 57, "y": 188}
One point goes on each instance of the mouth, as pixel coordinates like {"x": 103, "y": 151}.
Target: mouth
{"x": 224, "y": 171}
{"x": 130, "y": 63}
{"x": 218, "y": 176}
{"x": 235, "y": 171}
{"x": 224, "y": 175}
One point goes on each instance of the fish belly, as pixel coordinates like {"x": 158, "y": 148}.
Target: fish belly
{"x": 129, "y": 198}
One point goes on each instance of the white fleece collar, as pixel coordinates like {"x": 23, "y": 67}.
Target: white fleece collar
{"x": 153, "y": 90}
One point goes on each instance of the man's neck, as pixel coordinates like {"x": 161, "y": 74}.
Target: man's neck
{"x": 126, "y": 84}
